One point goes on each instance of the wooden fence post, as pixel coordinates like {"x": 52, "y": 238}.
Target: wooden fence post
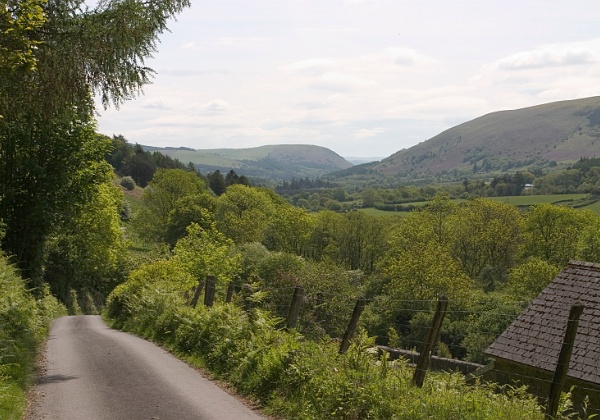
{"x": 231, "y": 289}
{"x": 209, "y": 293}
{"x": 197, "y": 293}
{"x": 294, "y": 312}
{"x": 358, "y": 310}
{"x": 562, "y": 366}
{"x": 433, "y": 333}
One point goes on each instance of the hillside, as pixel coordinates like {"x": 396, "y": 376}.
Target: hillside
{"x": 542, "y": 135}
{"x": 274, "y": 162}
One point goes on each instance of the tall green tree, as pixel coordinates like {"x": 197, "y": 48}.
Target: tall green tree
{"x": 529, "y": 278}
{"x": 161, "y": 198}
{"x": 486, "y": 239}
{"x": 552, "y": 232}
{"x": 419, "y": 267}
{"x": 217, "y": 182}
{"x": 588, "y": 248}
{"x": 208, "y": 251}
{"x": 189, "y": 209}
{"x": 288, "y": 230}
{"x": 140, "y": 166}
{"x": 120, "y": 152}
{"x": 47, "y": 126}
{"x": 369, "y": 197}
{"x": 87, "y": 252}
{"x": 416, "y": 269}
{"x": 361, "y": 239}
{"x": 322, "y": 243}
{"x": 19, "y": 21}
{"x": 243, "y": 213}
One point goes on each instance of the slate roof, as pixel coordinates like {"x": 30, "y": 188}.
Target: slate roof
{"x": 535, "y": 337}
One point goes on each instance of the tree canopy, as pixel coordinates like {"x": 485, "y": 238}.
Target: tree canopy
{"x": 54, "y": 56}
{"x": 19, "y": 20}
{"x": 173, "y": 199}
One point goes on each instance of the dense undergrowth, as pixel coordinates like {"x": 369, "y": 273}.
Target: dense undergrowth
{"x": 24, "y": 322}
{"x": 293, "y": 377}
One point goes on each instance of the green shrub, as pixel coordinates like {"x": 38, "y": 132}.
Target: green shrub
{"x": 128, "y": 183}
{"x": 24, "y": 322}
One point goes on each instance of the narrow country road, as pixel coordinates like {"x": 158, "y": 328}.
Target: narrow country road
{"x": 96, "y": 373}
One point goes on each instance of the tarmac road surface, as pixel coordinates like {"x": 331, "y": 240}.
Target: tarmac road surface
{"x": 95, "y": 373}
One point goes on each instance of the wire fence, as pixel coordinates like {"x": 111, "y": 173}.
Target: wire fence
{"x": 464, "y": 342}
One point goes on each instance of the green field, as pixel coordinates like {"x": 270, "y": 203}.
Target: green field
{"x": 530, "y": 200}
{"x": 595, "y": 207}
{"x": 579, "y": 201}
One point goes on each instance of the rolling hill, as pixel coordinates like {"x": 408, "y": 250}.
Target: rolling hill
{"x": 274, "y": 162}
{"x": 543, "y": 135}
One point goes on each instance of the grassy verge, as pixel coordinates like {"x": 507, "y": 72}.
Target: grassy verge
{"x": 24, "y": 323}
{"x": 297, "y": 378}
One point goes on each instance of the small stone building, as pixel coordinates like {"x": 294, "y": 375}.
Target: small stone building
{"x": 527, "y": 352}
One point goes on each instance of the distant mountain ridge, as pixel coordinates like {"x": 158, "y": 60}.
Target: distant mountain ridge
{"x": 540, "y": 135}
{"x": 273, "y": 162}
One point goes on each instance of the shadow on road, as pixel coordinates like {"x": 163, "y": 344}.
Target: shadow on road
{"x": 52, "y": 379}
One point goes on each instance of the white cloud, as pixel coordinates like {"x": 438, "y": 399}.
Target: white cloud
{"x": 231, "y": 41}
{"x": 553, "y": 56}
{"x": 190, "y": 72}
{"x": 190, "y": 46}
{"x": 215, "y": 107}
{"x": 369, "y": 132}
{"x": 156, "y": 103}
{"x": 360, "y": 80}
{"x": 311, "y": 105}
{"x": 401, "y": 56}
{"x": 311, "y": 65}
{"x": 545, "y": 74}
{"x": 442, "y": 103}
{"x": 340, "y": 82}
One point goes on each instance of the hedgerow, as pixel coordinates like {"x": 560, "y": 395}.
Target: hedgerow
{"x": 294, "y": 377}
{"x": 24, "y": 322}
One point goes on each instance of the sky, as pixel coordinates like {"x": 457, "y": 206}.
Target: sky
{"x": 364, "y": 78}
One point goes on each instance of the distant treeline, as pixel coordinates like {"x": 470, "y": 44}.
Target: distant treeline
{"x": 296, "y": 185}
{"x": 134, "y": 161}
{"x": 139, "y": 164}
{"x": 582, "y": 177}
{"x": 395, "y": 207}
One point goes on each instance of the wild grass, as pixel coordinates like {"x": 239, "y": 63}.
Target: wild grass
{"x": 595, "y": 207}
{"x": 24, "y": 322}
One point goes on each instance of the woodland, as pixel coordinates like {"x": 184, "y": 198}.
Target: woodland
{"x": 94, "y": 225}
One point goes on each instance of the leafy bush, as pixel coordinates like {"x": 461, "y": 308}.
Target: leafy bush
{"x": 128, "y": 183}
{"x": 160, "y": 277}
